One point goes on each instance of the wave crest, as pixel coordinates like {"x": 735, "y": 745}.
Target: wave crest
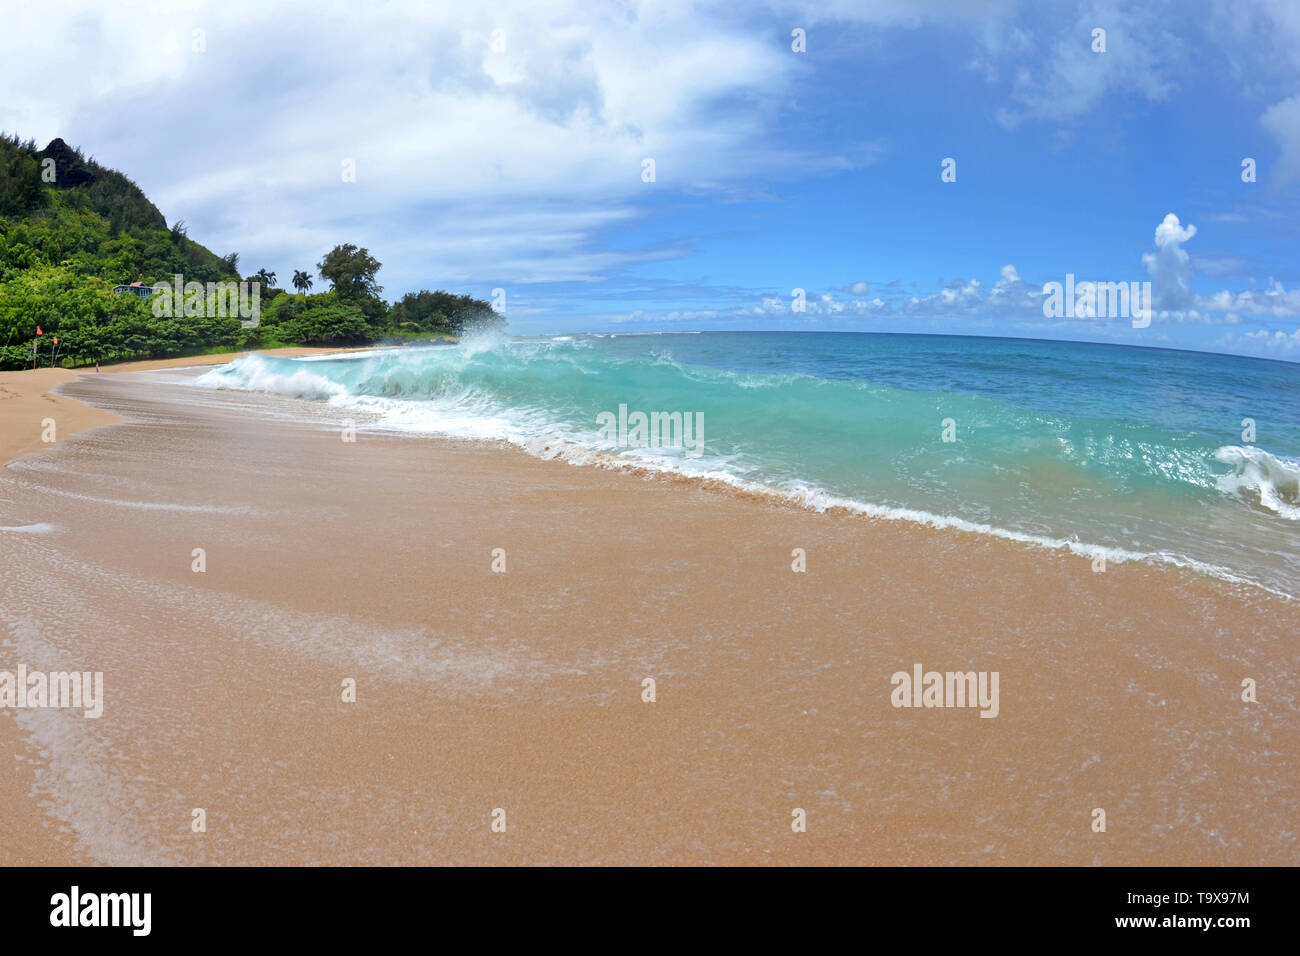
{"x": 1258, "y": 476}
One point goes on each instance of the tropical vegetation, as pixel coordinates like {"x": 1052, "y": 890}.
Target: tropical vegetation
{"x": 72, "y": 230}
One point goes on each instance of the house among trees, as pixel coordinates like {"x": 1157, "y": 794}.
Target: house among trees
{"x": 139, "y": 288}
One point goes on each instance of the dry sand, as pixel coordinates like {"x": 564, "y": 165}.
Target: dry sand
{"x": 372, "y": 561}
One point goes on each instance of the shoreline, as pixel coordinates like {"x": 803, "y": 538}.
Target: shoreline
{"x": 29, "y": 396}
{"x": 944, "y": 524}
{"x": 81, "y": 416}
{"x": 523, "y": 689}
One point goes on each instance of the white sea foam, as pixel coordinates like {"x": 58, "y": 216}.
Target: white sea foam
{"x": 41, "y": 527}
{"x": 256, "y": 374}
{"x": 1258, "y": 476}
{"x": 141, "y": 505}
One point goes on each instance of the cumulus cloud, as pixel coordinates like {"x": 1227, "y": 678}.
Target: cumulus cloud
{"x": 1267, "y": 343}
{"x": 956, "y": 293}
{"x": 960, "y": 297}
{"x": 1170, "y": 266}
{"x": 1010, "y": 292}
{"x": 1171, "y": 270}
{"x": 1274, "y": 300}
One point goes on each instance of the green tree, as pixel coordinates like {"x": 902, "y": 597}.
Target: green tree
{"x": 67, "y": 240}
{"x": 351, "y": 272}
{"x": 440, "y": 311}
{"x": 20, "y": 182}
{"x": 329, "y": 322}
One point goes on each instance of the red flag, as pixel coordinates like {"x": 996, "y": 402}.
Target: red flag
{"x": 38, "y": 330}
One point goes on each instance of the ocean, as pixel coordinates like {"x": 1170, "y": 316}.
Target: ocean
{"x": 1113, "y": 452}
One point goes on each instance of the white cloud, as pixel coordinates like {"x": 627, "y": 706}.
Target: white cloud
{"x": 1274, "y": 301}
{"x": 471, "y": 164}
{"x": 961, "y": 297}
{"x": 1068, "y": 78}
{"x": 1170, "y": 266}
{"x": 1011, "y": 292}
{"x": 513, "y": 166}
{"x": 1267, "y": 343}
{"x": 1282, "y": 120}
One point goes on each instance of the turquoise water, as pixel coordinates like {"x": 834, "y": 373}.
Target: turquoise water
{"x": 1136, "y": 454}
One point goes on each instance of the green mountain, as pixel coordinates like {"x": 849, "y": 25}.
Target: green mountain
{"x": 71, "y": 230}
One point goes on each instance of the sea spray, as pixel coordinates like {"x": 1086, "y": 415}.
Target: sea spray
{"x": 1272, "y": 482}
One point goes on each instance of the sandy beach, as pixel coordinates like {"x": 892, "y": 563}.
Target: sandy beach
{"x": 477, "y": 690}
{"x": 27, "y": 398}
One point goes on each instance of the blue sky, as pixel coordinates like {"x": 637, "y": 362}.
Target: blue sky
{"x": 514, "y": 159}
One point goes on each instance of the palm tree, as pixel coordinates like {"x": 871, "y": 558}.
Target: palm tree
{"x": 266, "y": 278}
{"x": 301, "y": 280}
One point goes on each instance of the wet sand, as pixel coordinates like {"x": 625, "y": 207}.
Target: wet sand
{"x": 28, "y": 407}
{"x": 27, "y": 398}
{"x": 328, "y": 560}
